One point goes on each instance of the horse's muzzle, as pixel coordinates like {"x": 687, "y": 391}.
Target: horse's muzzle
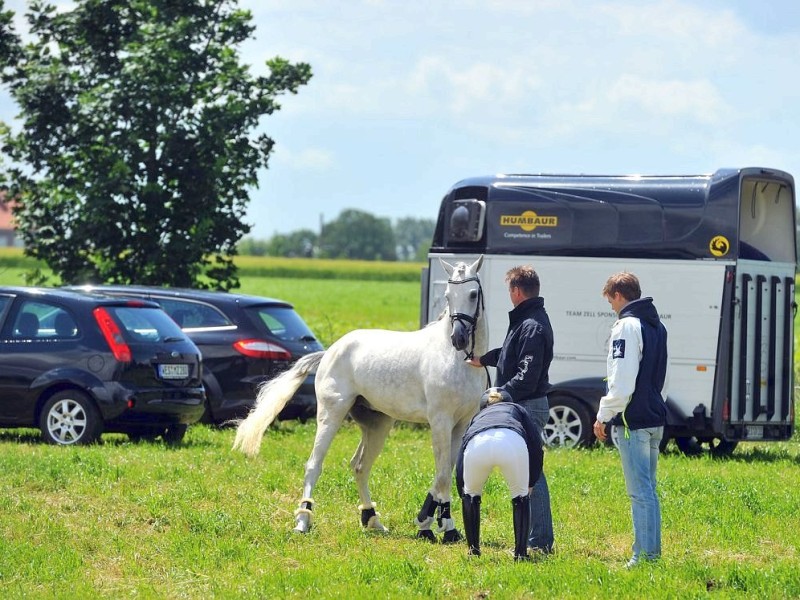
{"x": 460, "y": 335}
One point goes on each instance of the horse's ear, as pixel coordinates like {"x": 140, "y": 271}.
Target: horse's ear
{"x": 447, "y": 267}
{"x": 476, "y": 266}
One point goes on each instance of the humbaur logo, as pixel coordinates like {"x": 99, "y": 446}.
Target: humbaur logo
{"x": 528, "y": 221}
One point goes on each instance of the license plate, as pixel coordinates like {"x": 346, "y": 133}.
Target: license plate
{"x": 173, "y": 371}
{"x": 755, "y": 432}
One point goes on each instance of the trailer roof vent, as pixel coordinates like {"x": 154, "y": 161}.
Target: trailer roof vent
{"x": 466, "y": 220}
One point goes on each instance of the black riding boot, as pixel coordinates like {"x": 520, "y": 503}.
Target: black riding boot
{"x": 471, "y": 510}
{"x": 522, "y": 520}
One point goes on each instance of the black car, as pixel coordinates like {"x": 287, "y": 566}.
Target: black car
{"x": 76, "y": 364}
{"x": 245, "y": 340}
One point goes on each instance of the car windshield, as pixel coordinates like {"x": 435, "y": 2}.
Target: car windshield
{"x": 282, "y": 322}
{"x": 142, "y": 324}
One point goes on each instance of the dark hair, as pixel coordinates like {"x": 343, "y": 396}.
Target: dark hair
{"x": 627, "y": 284}
{"x": 524, "y": 278}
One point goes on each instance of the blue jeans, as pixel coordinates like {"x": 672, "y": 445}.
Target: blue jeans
{"x": 639, "y": 454}
{"x": 541, "y": 534}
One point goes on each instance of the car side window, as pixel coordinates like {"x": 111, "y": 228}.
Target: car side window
{"x": 193, "y": 315}
{"x": 5, "y": 302}
{"x": 274, "y": 325}
{"x": 41, "y": 320}
{"x": 64, "y": 325}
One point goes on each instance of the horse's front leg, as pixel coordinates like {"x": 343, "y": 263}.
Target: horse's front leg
{"x": 438, "y": 498}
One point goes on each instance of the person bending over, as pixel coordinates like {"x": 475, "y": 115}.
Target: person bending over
{"x": 502, "y": 434}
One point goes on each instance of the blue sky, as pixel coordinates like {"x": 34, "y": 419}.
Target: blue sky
{"x": 409, "y": 97}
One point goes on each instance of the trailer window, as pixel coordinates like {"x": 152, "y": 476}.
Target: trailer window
{"x": 766, "y": 221}
{"x": 466, "y": 220}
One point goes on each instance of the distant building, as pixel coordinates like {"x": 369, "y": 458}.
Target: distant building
{"x": 8, "y": 230}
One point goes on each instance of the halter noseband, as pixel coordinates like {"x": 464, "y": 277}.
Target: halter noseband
{"x": 471, "y": 319}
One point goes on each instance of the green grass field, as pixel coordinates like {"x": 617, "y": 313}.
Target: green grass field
{"x": 124, "y": 520}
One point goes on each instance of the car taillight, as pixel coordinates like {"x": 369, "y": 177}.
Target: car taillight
{"x": 112, "y": 334}
{"x": 262, "y": 349}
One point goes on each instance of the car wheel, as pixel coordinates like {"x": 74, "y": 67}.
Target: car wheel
{"x": 174, "y": 434}
{"x": 569, "y": 424}
{"x": 693, "y": 446}
{"x": 662, "y": 446}
{"x": 70, "y": 417}
{"x": 143, "y": 435}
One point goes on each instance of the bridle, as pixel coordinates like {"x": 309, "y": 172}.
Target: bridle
{"x": 464, "y": 318}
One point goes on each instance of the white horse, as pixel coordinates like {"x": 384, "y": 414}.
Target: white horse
{"x": 379, "y": 377}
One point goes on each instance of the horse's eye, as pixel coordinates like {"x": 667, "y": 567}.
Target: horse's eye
{"x": 473, "y": 294}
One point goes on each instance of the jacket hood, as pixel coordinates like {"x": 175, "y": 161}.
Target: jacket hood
{"x": 643, "y": 309}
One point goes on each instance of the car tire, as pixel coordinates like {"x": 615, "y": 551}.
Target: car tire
{"x": 174, "y": 434}
{"x": 718, "y": 448}
{"x": 569, "y": 424}
{"x": 143, "y": 435}
{"x": 70, "y": 417}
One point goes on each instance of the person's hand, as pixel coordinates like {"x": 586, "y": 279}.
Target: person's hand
{"x": 600, "y": 431}
{"x": 475, "y": 362}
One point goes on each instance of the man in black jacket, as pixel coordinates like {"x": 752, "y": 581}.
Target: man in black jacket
{"x": 522, "y": 372}
{"x": 501, "y": 435}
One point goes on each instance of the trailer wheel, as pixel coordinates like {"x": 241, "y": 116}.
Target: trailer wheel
{"x": 569, "y": 424}
{"x": 662, "y": 446}
{"x": 693, "y": 446}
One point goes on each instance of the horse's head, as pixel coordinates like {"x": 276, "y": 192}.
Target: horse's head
{"x": 464, "y": 297}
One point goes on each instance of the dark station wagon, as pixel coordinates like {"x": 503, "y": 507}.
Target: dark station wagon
{"x": 77, "y": 364}
{"x": 245, "y": 340}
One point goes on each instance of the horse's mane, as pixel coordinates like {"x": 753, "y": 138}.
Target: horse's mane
{"x": 441, "y": 316}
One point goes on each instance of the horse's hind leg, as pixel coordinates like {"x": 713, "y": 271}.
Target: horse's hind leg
{"x": 329, "y": 420}
{"x": 375, "y": 428}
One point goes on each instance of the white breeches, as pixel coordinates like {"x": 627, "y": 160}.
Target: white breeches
{"x": 501, "y": 448}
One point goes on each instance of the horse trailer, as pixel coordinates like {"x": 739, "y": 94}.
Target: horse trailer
{"x": 716, "y": 252}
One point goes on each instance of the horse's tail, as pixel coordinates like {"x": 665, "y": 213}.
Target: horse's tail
{"x": 271, "y": 398}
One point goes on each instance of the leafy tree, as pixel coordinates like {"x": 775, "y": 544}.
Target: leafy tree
{"x": 249, "y": 246}
{"x": 413, "y": 237}
{"x": 358, "y": 234}
{"x": 300, "y": 243}
{"x": 137, "y": 144}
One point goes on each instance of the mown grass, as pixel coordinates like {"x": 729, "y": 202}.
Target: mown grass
{"x": 332, "y": 307}
{"x": 123, "y": 520}
{"x": 333, "y": 297}
{"x": 273, "y": 266}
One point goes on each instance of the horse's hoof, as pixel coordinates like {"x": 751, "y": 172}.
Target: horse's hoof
{"x": 377, "y": 527}
{"x": 301, "y": 527}
{"x": 426, "y": 534}
{"x": 451, "y": 536}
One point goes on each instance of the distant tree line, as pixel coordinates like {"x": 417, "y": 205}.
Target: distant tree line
{"x": 354, "y": 234}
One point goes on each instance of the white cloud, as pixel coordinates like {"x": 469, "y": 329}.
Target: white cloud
{"x": 313, "y": 159}
{"x": 677, "y": 22}
{"x": 697, "y": 100}
{"x": 482, "y": 86}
